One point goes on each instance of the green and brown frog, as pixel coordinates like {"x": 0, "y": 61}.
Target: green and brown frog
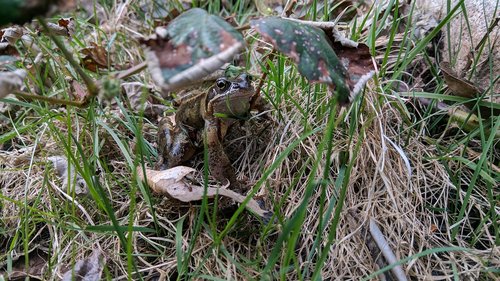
{"x": 206, "y": 115}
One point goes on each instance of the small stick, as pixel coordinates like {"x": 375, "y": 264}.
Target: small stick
{"x": 384, "y": 247}
{"x": 490, "y": 29}
{"x": 133, "y": 70}
{"x": 51, "y": 100}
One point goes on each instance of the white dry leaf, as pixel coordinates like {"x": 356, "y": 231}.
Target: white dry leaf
{"x": 137, "y": 94}
{"x": 30, "y": 44}
{"x": 11, "y": 34}
{"x": 64, "y": 27}
{"x": 171, "y": 182}
{"x": 11, "y": 81}
{"x": 134, "y": 91}
{"x": 89, "y": 269}
{"x": 57, "y": 29}
{"x": 68, "y": 174}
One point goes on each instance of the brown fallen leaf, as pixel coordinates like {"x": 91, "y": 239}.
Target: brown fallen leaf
{"x": 68, "y": 24}
{"x": 460, "y": 87}
{"x": 171, "y": 182}
{"x": 7, "y": 49}
{"x": 95, "y": 57}
{"x": 464, "y": 88}
{"x": 89, "y": 269}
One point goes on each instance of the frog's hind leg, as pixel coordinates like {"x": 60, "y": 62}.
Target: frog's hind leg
{"x": 219, "y": 163}
{"x": 174, "y": 147}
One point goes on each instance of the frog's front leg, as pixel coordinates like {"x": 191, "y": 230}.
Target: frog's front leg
{"x": 219, "y": 164}
{"x": 174, "y": 145}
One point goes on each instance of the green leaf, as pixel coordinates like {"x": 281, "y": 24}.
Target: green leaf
{"x": 308, "y": 47}
{"x": 192, "y": 46}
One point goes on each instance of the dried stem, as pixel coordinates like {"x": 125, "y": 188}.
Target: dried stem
{"x": 50, "y": 100}
{"x": 89, "y": 82}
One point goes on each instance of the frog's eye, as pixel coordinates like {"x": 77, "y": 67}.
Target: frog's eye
{"x": 221, "y": 84}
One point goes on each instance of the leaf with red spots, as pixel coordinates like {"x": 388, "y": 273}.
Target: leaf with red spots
{"x": 310, "y": 49}
{"x": 64, "y": 27}
{"x": 192, "y": 46}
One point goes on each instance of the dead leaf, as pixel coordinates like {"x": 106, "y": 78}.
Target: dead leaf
{"x": 7, "y": 49}
{"x": 171, "y": 182}
{"x": 61, "y": 165}
{"x": 11, "y": 34}
{"x": 11, "y": 81}
{"x": 358, "y": 61}
{"x": 79, "y": 93}
{"x": 37, "y": 262}
{"x": 64, "y": 27}
{"x": 68, "y": 24}
{"x": 460, "y": 87}
{"x": 89, "y": 269}
{"x": 464, "y": 88}
{"x": 95, "y": 57}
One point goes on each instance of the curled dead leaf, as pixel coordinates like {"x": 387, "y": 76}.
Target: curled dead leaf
{"x": 11, "y": 34}
{"x": 171, "y": 182}
{"x": 167, "y": 181}
{"x": 460, "y": 87}
{"x": 89, "y": 269}
{"x": 464, "y": 88}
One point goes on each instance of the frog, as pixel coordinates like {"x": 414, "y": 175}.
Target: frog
{"x": 204, "y": 117}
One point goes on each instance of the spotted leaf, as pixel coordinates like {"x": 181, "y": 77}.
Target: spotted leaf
{"x": 192, "y": 46}
{"x": 308, "y": 47}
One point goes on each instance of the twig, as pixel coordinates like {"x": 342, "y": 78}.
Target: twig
{"x": 133, "y": 70}
{"x": 319, "y": 24}
{"x": 492, "y": 25}
{"x": 243, "y": 27}
{"x": 89, "y": 82}
{"x": 389, "y": 256}
{"x": 50, "y": 100}
{"x": 259, "y": 86}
